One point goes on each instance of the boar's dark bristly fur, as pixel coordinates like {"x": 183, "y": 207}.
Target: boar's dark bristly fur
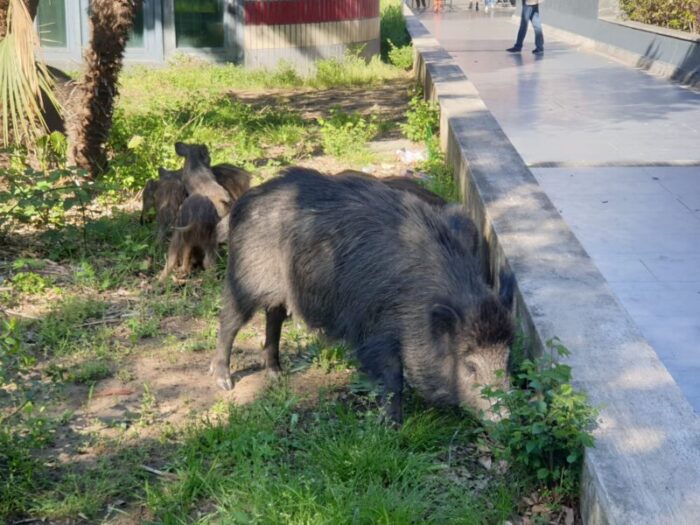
{"x": 199, "y": 178}
{"x": 376, "y": 267}
{"x": 194, "y": 238}
{"x": 404, "y": 184}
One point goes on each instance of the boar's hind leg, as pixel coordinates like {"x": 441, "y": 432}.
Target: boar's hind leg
{"x": 233, "y": 317}
{"x": 380, "y": 357}
{"x": 173, "y": 257}
{"x": 274, "y": 317}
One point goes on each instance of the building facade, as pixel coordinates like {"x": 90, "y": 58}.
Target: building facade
{"x": 256, "y": 33}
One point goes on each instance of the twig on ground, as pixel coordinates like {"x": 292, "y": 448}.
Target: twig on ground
{"x": 449, "y": 448}
{"x": 104, "y": 320}
{"x": 114, "y": 392}
{"x": 19, "y": 314}
{"x": 157, "y": 472}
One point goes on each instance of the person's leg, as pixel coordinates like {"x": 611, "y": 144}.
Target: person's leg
{"x": 537, "y": 26}
{"x": 522, "y": 31}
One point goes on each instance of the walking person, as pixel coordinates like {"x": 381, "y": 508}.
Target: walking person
{"x": 420, "y": 4}
{"x": 530, "y": 13}
{"x": 437, "y": 6}
{"x": 488, "y": 5}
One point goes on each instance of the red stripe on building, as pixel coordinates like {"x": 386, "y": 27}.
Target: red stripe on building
{"x": 278, "y": 12}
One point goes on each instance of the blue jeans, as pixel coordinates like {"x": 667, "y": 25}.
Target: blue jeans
{"x": 531, "y": 13}
{"x": 489, "y": 3}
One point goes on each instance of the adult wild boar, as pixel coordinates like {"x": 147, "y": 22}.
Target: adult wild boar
{"x": 376, "y": 267}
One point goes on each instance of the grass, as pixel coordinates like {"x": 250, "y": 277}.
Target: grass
{"x": 277, "y": 461}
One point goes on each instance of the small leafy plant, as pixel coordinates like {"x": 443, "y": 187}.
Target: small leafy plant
{"x": 345, "y": 134}
{"x": 422, "y": 119}
{"x": 549, "y": 423}
{"x": 401, "y": 57}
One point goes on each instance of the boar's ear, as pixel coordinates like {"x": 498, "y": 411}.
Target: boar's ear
{"x": 162, "y": 172}
{"x": 443, "y": 318}
{"x": 506, "y": 289}
{"x": 461, "y": 225}
{"x": 204, "y": 155}
{"x": 181, "y": 149}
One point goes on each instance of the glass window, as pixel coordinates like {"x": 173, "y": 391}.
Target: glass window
{"x": 136, "y": 33}
{"x": 51, "y": 22}
{"x": 199, "y": 23}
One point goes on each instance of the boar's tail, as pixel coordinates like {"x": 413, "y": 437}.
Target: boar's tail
{"x": 183, "y": 228}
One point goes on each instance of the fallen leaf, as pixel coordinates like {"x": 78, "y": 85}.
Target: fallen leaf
{"x": 486, "y": 462}
{"x": 569, "y": 516}
{"x": 114, "y": 392}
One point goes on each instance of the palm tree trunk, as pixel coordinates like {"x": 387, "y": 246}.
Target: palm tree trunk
{"x": 89, "y": 115}
{"x": 4, "y": 4}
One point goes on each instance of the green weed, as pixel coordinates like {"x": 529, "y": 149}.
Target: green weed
{"x": 64, "y": 330}
{"x": 401, "y": 57}
{"x": 346, "y": 135}
{"x": 89, "y": 372}
{"x": 422, "y": 119}
{"x": 549, "y": 422}
{"x": 30, "y": 283}
{"x": 392, "y": 26}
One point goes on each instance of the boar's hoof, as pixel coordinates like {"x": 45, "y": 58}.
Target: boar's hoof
{"x": 222, "y": 376}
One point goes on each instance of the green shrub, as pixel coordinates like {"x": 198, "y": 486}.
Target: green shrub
{"x": 392, "y": 27}
{"x": 345, "y": 134}
{"x": 401, "y": 56}
{"x": 29, "y": 282}
{"x": 683, "y": 15}
{"x": 549, "y": 423}
{"x": 43, "y": 198}
{"x": 89, "y": 372}
{"x": 422, "y": 119}
{"x": 352, "y": 70}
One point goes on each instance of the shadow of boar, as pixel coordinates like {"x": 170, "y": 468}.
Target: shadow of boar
{"x": 375, "y": 267}
{"x": 199, "y": 178}
{"x": 194, "y": 237}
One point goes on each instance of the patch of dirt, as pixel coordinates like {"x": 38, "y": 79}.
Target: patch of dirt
{"x": 387, "y": 101}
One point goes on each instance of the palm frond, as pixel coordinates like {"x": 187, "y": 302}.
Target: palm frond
{"x": 23, "y": 79}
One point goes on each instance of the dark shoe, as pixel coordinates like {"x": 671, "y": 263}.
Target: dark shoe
{"x": 514, "y": 49}
{"x": 538, "y": 51}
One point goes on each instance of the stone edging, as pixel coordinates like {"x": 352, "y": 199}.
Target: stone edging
{"x": 645, "y": 467}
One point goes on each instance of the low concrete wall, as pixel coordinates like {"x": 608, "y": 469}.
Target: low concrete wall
{"x": 645, "y": 467}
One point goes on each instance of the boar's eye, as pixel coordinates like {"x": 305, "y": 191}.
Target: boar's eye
{"x": 471, "y": 368}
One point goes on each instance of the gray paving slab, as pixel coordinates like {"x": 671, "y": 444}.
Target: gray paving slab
{"x": 570, "y": 105}
{"x": 639, "y": 222}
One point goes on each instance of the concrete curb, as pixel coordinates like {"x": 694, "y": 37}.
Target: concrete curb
{"x": 645, "y": 467}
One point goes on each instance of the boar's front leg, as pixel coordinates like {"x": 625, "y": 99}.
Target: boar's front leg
{"x": 380, "y": 358}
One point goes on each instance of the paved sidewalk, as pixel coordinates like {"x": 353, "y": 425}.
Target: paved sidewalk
{"x": 618, "y": 153}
